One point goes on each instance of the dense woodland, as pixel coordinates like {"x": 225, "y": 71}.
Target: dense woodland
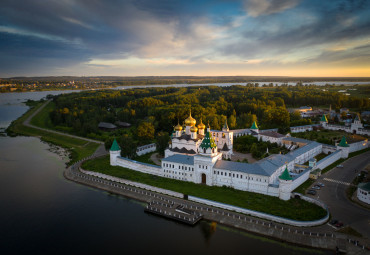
{"x": 154, "y": 110}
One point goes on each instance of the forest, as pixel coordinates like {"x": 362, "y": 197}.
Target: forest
{"x": 151, "y": 111}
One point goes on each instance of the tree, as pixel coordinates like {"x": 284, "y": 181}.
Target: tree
{"x": 145, "y": 131}
{"x": 128, "y": 146}
{"x": 162, "y": 142}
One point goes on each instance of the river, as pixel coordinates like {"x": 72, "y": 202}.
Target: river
{"x": 43, "y": 213}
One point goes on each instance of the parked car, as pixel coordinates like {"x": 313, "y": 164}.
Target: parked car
{"x": 333, "y": 222}
{"x": 311, "y": 192}
{"x": 339, "y": 224}
{"x": 340, "y": 166}
{"x": 320, "y": 184}
{"x": 316, "y": 187}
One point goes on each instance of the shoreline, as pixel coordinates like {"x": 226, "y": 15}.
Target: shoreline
{"x": 294, "y": 235}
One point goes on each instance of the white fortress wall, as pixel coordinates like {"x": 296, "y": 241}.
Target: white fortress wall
{"x": 328, "y": 160}
{"x": 301, "y": 178}
{"x": 326, "y": 148}
{"x": 139, "y": 166}
{"x": 131, "y": 183}
{"x": 358, "y": 146}
{"x": 141, "y": 150}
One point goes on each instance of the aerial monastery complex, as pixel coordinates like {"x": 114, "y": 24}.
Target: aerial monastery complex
{"x": 200, "y": 155}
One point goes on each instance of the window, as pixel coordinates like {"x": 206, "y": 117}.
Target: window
{"x": 229, "y": 174}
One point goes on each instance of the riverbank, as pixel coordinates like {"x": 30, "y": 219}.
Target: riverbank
{"x": 78, "y": 148}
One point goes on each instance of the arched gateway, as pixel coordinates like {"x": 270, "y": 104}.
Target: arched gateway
{"x": 204, "y": 179}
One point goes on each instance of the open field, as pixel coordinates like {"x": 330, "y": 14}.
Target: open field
{"x": 294, "y": 209}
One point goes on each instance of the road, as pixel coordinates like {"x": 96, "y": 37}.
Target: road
{"x": 334, "y": 194}
{"x": 27, "y": 123}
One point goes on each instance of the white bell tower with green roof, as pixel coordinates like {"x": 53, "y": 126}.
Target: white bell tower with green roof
{"x": 206, "y": 159}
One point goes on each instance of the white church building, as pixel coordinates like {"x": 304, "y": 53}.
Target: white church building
{"x": 197, "y": 155}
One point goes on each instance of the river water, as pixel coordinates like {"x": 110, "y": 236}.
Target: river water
{"x": 43, "y": 213}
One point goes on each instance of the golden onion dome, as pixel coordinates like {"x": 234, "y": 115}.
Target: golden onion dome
{"x": 178, "y": 127}
{"x": 193, "y": 129}
{"x": 190, "y": 121}
{"x": 201, "y": 125}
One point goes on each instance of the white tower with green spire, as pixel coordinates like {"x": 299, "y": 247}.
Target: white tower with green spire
{"x": 115, "y": 151}
{"x": 254, "y": 127}
{"x": 285, "y": 185}
{"x": 323, "y": 121}
{"x": 344, "y": 147}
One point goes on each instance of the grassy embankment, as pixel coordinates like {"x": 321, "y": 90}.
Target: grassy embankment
{"x": 296, "y": 209}
{"x": 78, "y": 148}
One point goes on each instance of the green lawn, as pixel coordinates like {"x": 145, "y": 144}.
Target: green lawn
{"x": 78, "y": 148}
{"x": 296, "y": 209}
{"x": 42, "y": 119}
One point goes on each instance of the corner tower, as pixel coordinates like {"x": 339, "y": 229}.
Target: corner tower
{"x": 114, "y": 152}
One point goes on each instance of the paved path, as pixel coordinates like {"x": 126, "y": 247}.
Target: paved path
{"x": 27, "y": 123}
{"x": 334, "y": 195}
{"x": 154, "y": 158}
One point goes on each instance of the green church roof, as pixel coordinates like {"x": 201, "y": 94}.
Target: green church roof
{"x": 225, "y": 125}
{"x": 254, "y": 125}
{"x": 285, "y": 175}
{"x": 323, "y": 118}
{"x": 343, "y": 142}
{"x": 357, "y": 117}
{"x": 208, "y": 142}
{"x": 115, "y": 146}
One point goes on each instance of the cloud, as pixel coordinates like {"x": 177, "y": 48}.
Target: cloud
{"x": 145, "y": 35}
{"x": 257, "y": 8}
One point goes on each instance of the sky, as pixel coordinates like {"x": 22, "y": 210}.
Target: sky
{"x": 200, "y": 37}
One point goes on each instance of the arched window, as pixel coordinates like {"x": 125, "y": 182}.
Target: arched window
{"x": 204, "y": 150}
